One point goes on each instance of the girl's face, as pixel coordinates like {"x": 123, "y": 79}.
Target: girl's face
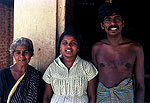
{"x": 22, "y": 55}
{"x": 69, "y": 46}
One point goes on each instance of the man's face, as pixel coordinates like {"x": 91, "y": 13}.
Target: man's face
{"x": 113, "y": 24}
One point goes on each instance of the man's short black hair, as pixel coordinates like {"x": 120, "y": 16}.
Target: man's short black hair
{"x": 107, "y": 9}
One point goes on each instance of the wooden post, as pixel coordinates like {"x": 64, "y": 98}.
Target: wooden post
{"x": 61, "y": 11}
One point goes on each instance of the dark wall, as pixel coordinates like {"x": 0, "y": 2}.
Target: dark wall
{"x": 82, "y": 15}
{"x": 84, "y": 19}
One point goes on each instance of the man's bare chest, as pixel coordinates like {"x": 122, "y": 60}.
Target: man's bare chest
{"x": 116, "y": 57}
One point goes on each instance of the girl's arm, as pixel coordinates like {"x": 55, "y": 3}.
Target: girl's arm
{"x": 92, "y": 86}
{"x": 47, "y": 93}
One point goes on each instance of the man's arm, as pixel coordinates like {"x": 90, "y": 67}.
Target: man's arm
{"x": 48, "y": 93}
{"x": 139, "y": 76}
{"x": 94, "y": 50}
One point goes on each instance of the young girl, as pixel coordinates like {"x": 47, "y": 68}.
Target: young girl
{"x": 70, "y": 79}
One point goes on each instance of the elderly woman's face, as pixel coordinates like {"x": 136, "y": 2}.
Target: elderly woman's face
{"x": 22, "y": 55}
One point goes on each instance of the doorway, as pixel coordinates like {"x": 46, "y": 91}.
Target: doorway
{"x": 82, "y": 16}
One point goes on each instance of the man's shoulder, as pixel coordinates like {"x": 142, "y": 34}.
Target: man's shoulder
{"x": 99, "y": 43}
{"x": 137, "y": 46}
{"x": 132, "y": 44}
{"x": 129, "y": 41}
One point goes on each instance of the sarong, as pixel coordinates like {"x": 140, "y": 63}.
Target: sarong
{"x": 123, "y": 93}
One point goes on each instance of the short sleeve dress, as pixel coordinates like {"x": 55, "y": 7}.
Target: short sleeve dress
{"x": 70, "y": 85}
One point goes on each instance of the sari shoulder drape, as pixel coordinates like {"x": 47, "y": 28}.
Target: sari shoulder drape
{"x": 27, "y": 89}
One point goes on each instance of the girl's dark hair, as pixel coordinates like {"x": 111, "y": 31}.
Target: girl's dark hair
{"x": 70, "y": 33}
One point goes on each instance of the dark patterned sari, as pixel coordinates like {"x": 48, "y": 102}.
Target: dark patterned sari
{"x": 27, "y": 90}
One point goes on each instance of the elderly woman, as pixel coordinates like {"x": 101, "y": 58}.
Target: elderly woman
{"x": 21, "y": 83}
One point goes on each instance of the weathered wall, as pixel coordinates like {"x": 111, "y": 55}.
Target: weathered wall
{"x": 36, "y": 19}
{"x": 6, "y": 34}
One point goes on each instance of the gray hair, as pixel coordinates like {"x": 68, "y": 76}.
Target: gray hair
{"x": 22, "y": 41}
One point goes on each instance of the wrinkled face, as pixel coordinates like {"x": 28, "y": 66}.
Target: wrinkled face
{"x": 113, "y": 24}
{"x": 22, "y": 55}
{"x": 69, "y": 46}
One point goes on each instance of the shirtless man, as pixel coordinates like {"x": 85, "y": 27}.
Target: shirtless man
{"x": 119, "y": 61}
